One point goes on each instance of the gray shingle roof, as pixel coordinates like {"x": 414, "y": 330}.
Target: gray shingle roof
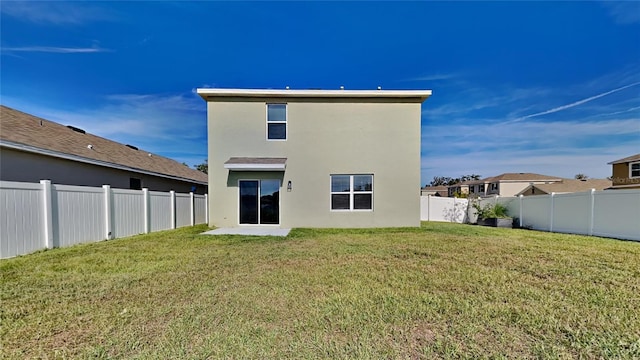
{"x": 25, "y": 129}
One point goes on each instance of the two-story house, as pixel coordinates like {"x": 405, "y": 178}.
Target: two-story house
{"x": 626, "y": 172}
{"x": 314, "y": 158}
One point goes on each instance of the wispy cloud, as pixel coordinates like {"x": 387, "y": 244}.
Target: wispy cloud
{"x": 576, "y": 103}
{"x": 54, "y": 12}
{"x": 623, "y": 12}
{"x": 433, "y": 77}
{"x": 56, "y": 49}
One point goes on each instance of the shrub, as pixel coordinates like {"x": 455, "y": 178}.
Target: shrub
{"x": 496, "y": 210}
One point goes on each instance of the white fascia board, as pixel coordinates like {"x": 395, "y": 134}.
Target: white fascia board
{"x": 255, "y": 167}
{"x": 59, "y": 155}
{"x": 214, "y": 92}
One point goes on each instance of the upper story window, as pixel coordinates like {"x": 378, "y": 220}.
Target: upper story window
{"x": 276, "y": 121}
{"x": 634, "y": 170}
{"x": 351, "y": 192}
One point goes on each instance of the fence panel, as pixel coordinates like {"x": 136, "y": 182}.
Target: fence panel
{"x": 200, "y": 207}
{"x": 572, "y": 213}
{"x": 159, "y": 211}
{"x": 127, "y": 212}
{"x": 512, "y": 204}
{"x": 78, "y": 214}
{"x": 435, "y": 208}
{"x": 535, "y": 212}
{"x": 183, "y": 210}
{"x": 617, "y": 214}
{"x": 22, "y": 218}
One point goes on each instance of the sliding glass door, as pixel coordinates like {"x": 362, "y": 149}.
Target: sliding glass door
{"x": 259, "y": 202}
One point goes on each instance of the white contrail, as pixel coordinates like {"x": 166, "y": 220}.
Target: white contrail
{"x": 52, "y": 49}
{"x": 579, "y": 102}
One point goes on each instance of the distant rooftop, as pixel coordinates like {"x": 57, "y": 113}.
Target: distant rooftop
{"x": 521, "y": 177}
{"x": 572, "y": 185}
{"x": 631, "y": 158}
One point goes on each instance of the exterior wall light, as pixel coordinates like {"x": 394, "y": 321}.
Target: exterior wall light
{"x": 289, "y": 186}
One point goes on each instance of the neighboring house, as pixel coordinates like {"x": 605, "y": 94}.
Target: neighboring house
{"x": 626, "y": 173}
{"x": 314, "y": 158}
{"x": 565, "y": 186}
{"x": 472, "y": 188}
{"x": 34, "y": 149}
{"x": 434, "y": 191}
{"x": 507, "y": 184}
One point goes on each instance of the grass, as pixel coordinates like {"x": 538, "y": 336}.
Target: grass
{"x": 439, "y": 291}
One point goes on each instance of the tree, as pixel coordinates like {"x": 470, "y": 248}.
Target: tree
{"x": 204, "y": 167}
{"x": 581, "y": 177}
{"x": 440, "y": 181}
{"x": 447, "y": 181}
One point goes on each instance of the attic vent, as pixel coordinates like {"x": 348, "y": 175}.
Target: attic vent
{"x": 132, "y": 147}
{"x": 76, "y": 129}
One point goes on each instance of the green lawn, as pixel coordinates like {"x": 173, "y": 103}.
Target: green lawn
{"x": 439, "y": 291}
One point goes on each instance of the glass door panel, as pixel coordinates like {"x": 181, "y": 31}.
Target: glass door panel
{"x": 248, "y": 201}
{"x": 269, "y": 201}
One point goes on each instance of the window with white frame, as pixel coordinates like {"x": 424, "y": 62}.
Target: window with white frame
{"x": 276, "y": 121}
{"x": 351, "y": 192}
{"x": 634, "y": 170}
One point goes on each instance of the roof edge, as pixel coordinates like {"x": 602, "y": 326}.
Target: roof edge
{"x": 219, "y": 92}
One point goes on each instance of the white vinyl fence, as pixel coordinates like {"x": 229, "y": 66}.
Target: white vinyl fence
{"x": 609, "y": 213}
{"x": 42, "y": 215}
{"x": 435, "y": 208}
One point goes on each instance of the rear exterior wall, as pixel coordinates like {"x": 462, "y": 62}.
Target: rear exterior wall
{"x": 324, "y": 138}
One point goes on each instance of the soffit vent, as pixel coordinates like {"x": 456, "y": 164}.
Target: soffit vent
{"x": 76, "y": 129}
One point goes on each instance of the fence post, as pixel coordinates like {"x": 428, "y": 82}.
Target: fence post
{"x": 520, "y": 217}
{"x": 107, "y": 212}
{"x": 593, "y": 212}
{"x": 173, "y": 208}
{"x": 428, "y": 207}
{"x": 206, "y": 209}
{"x": 193, "y": 210}
{"x": 47, "y": 209}
{"x": 551, "y": 212}
{"x": 146, "y": 212}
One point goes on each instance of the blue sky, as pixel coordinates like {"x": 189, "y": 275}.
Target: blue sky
{"x": 546, "y": 87}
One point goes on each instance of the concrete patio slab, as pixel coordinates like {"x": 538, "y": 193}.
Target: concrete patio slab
{"x": 251, "y": 231}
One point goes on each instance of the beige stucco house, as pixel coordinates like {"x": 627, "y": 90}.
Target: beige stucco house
{"x": 34, "y": 149}
{"x": 626, "y": 172}
{"x": 314, "y": 158}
